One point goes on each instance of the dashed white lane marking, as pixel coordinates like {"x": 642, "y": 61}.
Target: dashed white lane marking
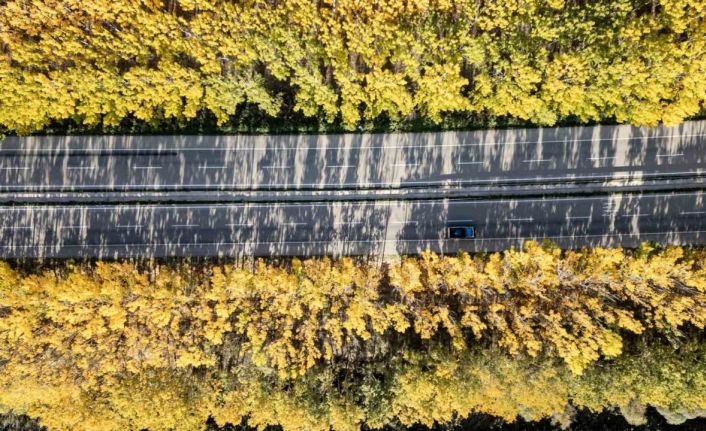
{"x": 340, "y": 166}
{"x": 469, "y": 163}
{"x": 521, "y": 219}
{"x": 692, "y": 212}
{"x": 84, "y": 226}
{"x": 603, "y": 158}
{"x": 16, "y": 168}
{"x": 185, "y": 225}
{"x": 537, "y": 160}
{"x": 670, "y": 155}
{"x": 277, "y": 167}
{"x": 147, "y": 167}
{"x": 578, "y": 217}
{"x": 128, "y": 226}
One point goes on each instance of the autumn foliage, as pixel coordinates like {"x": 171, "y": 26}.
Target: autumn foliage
{"x": 98, "y": 62}
{"x": 337, "y": 343}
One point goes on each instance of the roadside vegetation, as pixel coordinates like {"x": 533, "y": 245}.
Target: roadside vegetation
{"x": 538, "y": 334}
{"x": 210, "y": 65}
{"x": 321, "y": 343}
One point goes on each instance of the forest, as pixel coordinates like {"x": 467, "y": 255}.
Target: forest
{"x": 321, "y": 344}
{"x": 97, "y": 65}
{"x": 537, "y": 334}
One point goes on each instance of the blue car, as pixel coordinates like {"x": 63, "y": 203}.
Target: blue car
{"x": 461, "y": 232}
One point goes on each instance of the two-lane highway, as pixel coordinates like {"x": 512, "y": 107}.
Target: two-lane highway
{"x": 348, "y": 227}
{"x": 335, "y": 162}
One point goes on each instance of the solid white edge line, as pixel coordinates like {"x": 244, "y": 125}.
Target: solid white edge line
{"x": 333, "y": 242}
{"x": 362, "y": 147}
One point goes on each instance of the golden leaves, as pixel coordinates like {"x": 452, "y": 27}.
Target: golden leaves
{"x": 430, "y": 385}
{"x": 538, "y": 300}
{"x": 98, "y": 62}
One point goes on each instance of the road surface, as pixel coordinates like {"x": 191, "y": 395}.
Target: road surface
{"x": 378, "y": 227}
{"x": 334, "y": 162}
{"x": 98, "y": 196}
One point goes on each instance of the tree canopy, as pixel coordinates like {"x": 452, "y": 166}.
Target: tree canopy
{"x": 325, "y": 343}
{"x": 98, "y": 62}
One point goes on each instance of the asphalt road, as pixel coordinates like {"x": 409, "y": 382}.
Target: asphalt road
{"x": 555, "y": 156}
{"x": 103, "y": 196}
{"x": 380, "y": 227}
